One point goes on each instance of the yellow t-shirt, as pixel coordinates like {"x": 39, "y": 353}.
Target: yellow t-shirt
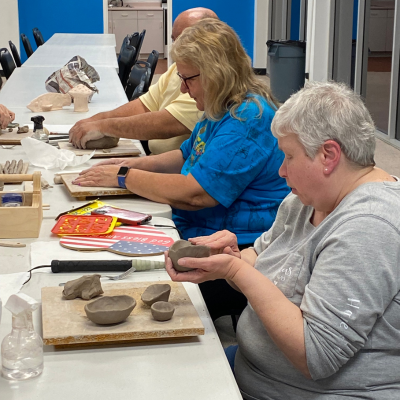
{"x": 166, "y": 95}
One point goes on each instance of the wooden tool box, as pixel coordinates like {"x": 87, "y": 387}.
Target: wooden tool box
{"x": 24, "y": 221}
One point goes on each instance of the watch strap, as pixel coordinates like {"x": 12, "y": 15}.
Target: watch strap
{"x": 121, "y": 182}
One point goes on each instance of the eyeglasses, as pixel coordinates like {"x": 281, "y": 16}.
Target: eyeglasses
{"x": 184, "y": 80}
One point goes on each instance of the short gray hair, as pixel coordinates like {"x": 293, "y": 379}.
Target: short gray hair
{"x": 324, "y": 111}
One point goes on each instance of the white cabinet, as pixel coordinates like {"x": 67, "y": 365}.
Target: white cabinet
{"x": 126, "y": 22}
{"x": 152, "y": 21}
{"x": 390, "y": 30}
{"x": 123, "y": 23}
{"x": 381, "y": 25}
{"x": 377, "y": 30}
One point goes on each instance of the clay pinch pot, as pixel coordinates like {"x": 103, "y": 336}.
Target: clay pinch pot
{"x": 110, "y": 309}
{"x": 183, "y": 248}
{"x": 162, "y": 311}
{"x": 86, "y": 287}
{"x": 156, "y": 292}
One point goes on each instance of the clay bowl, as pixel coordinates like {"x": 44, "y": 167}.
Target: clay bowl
{"x": 183, "y": 248}
{"x": 110, "y": 309}
{"x": 156, "y": 292}
{"x": 162, "y": 311}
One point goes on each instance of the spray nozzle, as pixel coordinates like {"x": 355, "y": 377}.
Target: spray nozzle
{"x": 19, "y": 303}
{"x": 37, "y": 122}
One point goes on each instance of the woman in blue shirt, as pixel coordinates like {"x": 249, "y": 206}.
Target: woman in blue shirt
{"x": 225, "y": 176}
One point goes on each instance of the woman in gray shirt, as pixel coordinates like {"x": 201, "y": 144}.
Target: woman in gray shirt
{"x": 323, "y": 314}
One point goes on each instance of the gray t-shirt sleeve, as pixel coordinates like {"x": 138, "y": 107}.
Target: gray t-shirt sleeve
{"x": 355, "y": 278}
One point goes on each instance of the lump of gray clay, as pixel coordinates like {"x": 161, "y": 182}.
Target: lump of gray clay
{"x": 106, "y": 142}
{"x": 162, "y": 311}
{"x": 183, "y": 248}
{"x": 110, "y": 309}
{"x": 86, "y": 287}
{"x": 156, "y": 292}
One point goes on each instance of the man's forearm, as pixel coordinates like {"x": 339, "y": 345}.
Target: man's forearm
{"x": 154, "y": 125}
{"x": 130, "y": 109}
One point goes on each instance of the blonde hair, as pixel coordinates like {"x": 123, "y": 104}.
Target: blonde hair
{"x": 225, "y": 69}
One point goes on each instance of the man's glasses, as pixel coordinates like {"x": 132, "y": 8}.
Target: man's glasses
{"x": 184, "y": 80}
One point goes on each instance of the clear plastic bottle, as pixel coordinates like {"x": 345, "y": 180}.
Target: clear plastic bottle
{"x": 22, "y": 349}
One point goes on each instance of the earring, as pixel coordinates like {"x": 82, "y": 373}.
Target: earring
{"x": 326, "y": 169}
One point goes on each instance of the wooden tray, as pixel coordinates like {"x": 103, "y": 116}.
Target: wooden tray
{"x": 82, "y": 192}
{"x": 123, "y": 149}
{"x": 65, "y": 321}
{"x": 13, "y": 138}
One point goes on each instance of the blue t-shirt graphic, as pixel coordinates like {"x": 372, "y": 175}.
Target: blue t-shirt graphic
{"x": 235, "y": 162}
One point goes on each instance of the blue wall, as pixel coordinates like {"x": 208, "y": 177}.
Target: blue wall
{"x": 295, "y": 20}
{"x": 59, "y": 17}
{"x": 238, "y": 14}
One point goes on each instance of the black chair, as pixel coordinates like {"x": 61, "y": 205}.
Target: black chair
{"x": 7, "y": 62}
{"x": 152, "y": 59}
{"x": 27, "y": 45}
{"x": 136, "y": 40}
{"x": 138, "y": 80}
{"x": 15, "y": 53}
{"x": 126, "y": 60}
{"x": 37, "y": 35}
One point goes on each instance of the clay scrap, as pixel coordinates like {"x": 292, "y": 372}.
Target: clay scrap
{"x": 81, "y": 94}
{"x": 156, "y": 292}
{"x": 183, "y": 248}
{"x": 86, "y": 287}
{"x": 12, "y": 167}
{"x": 110, "y": 309}
{"x": 105, "y": 142}
{"x": 23, "y": 129}
{"x": 162, "y": 311}
{"x": 49, "y": 102}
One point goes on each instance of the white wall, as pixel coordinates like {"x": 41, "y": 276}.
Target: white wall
{"x": 9, "y": 27}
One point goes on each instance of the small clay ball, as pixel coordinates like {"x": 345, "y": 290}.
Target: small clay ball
{"x": 106, "y": 142}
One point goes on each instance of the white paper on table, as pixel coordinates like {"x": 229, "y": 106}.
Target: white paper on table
{"x": 47, "y": 156}
{"x": 11, "y": 284}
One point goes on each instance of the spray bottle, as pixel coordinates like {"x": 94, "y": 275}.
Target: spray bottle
{"x": 38, "y": 130}
{"x": 22, "y": 349}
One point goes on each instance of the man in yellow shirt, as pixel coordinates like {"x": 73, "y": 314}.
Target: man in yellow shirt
{"x": 163, "y": 115}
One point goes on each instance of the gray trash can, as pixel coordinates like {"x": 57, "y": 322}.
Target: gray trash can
{"x": 287, "y": 66}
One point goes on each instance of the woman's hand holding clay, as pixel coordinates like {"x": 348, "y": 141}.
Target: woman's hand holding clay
{"x": 219, "y": 266}
{"x": 222, "y": 242}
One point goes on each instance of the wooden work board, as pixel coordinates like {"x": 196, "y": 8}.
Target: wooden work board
{"x": 82, "y": 192}
{"x": 13, "y": 138}
{"x": 124, "y": 148}
{"x": 65, "y": 321}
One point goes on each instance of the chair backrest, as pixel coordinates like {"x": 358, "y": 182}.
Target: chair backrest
{"x": 15, "y": 53}
{"x": 152, "y": 59}
{"x": 27, "y": 45}
{"x": 138, "y": 79}
{"x": 7, "y": 62}
{"x": 136, "y": 40}
{"x": 125, "y": 43}
{"x": 126, "y": 60}
{"x": 38, "y": 37}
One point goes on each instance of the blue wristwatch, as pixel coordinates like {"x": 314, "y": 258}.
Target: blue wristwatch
{"x": 122, "y": 173}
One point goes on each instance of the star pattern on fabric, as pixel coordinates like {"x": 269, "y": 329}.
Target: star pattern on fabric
{"x": 137, "y": 247}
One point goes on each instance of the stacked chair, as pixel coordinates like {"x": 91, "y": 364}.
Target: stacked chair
{"x": 126, "y": 59}
{"x": 27, "y": 45}
{"x": 7, "y": 62}
{"x": 37, "y": 35}
{"x": 15, "y": 53}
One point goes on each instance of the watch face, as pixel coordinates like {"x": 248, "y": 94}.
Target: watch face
{"x": 123, "y": 171}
